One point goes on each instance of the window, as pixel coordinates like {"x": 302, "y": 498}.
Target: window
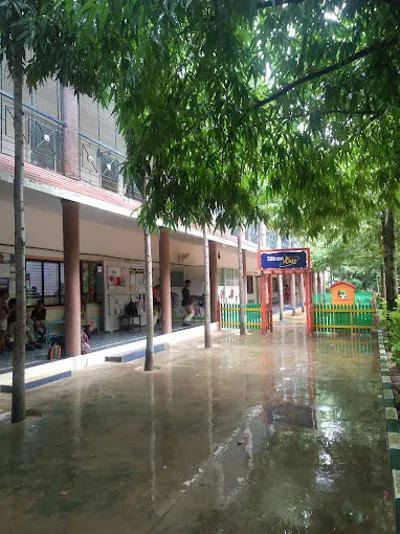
{"x": 44, "y": 281}
{"x": 92, "y": 288}
{"x": 250, "y": 285}
{"x": 177, "y": 278}
{"x": 232, "y": 277}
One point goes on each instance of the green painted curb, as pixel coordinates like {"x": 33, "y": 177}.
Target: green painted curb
{"x": 392, "y": 426}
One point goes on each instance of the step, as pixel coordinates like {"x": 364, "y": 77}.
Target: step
{"x": 30, "y": 383}
{"x": 125, "y": 358}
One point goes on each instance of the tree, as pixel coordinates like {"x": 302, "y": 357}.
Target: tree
{"x": 389, "y": 254}
{"x": 15, "y": 18}
{"x": 207, "y": 294}
{"x": 242, "y": 303}
{"x": 355, "y": 257}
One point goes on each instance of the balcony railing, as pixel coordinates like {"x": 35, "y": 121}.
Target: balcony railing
{"x": 101, "y": 166}
{"x": 43, "y": 135}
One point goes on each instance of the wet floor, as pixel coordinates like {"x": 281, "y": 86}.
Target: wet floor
{"x": 276, "y": 434}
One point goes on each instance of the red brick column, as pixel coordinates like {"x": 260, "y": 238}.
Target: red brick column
{"x": 165, "y": 282}
{"x": 213, "y": 248}
{"x": 72, "y": 292}
{"x": 71, "y": 141}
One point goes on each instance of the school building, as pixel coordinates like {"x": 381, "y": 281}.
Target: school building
{"x": 82, "y": 236}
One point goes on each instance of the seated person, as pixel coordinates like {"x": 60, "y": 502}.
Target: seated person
{"x": 85, "y": 322}
{"x": 38, "y": 317}
{"x": 11, "y": 324}
{"x": 85, "y": 347}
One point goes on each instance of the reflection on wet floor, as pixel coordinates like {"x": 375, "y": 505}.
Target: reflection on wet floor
{"x": 276, "y": 434}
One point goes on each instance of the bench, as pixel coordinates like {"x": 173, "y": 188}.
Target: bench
{"x": 131, "y": 321}
{"x": 49, "y": 335}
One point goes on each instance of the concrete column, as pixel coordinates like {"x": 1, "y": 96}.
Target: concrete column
{"x": 71, "y": 141}
{"x": 72, "y": 291}
{"x": 293, "y": 292}
{"x": 244, "y": 275}
{"x": 165, "y": 282}
{"x": 213, "y": 248}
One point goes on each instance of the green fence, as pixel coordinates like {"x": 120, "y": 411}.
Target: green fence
{"x": 362, "y": 297}
{"x": 353, "y": 318}
{"x": 230, "y": 316}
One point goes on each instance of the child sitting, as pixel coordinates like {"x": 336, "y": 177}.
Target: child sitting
{"x": 85, "y": 347}
{"x": 38, "y": 317}
{"x": 12, "y": 320}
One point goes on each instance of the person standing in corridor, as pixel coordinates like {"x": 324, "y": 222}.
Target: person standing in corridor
{"x": 187, "y": 303}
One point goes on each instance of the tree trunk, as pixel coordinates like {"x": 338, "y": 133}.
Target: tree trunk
{"x": 383, "y": 282}
{"x": 18, "y": 389}
{"x": 149, "y": 359}
{"x": 242, "y": 304}
{"x": 322, "y": 282}
{"x": 293, "y": 293}
{"x": 389, "y": 257}
{"x": 281, "y": 294}
{"x": 207, "y": 307}
{"x": 316, "y": 283}
{"x": 301, "y": 291}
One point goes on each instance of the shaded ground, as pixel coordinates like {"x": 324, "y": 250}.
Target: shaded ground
{"x": 270, "y": 434}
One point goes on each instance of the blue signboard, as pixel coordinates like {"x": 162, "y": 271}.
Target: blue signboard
{"x": 284, "y": 260}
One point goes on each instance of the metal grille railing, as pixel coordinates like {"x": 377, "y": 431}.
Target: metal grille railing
{"x": 43, "y": 135}
{"x": 100, "y": 165}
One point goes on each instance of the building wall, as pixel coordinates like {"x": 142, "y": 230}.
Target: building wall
{"x": 111, "y": 240}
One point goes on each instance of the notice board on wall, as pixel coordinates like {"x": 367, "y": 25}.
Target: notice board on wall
{"x": 116, "y": 277}
{"x": 117, "y": 304}
{"x": 136, "y": 281}
{"x": 197, "y": 288}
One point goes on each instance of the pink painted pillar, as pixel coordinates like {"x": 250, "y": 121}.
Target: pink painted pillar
{"x": 71, "y": 140}
{"x": 244, "y": 275}
{"x": 213, "y": 249}
{"x": 165, "y": 282}
{"x": 72, "y": 292}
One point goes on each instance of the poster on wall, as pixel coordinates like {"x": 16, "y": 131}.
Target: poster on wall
{"x": 4, "y": 283}
{"x": 116, "y": 277}
{"x": 136, "y": 281}
{"x": 140, "y": 301}
{"x": 6, "y": 258}
{"x": 117, "y": 304}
